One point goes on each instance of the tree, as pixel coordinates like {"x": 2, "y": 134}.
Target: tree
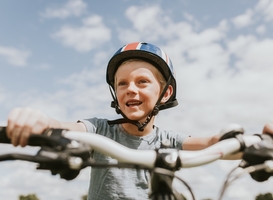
{"x": 266, "y": 196}
{"x": 28, "y": 197}
{"x": 84, "y": 197}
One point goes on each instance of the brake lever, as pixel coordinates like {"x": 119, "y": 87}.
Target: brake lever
{"x": 58, "y": 154}
{"x": 258, "y": 154}
{"x": 60, "y": 162}
{"x": 67, "y": 156}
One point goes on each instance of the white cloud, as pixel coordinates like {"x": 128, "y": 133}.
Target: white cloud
{"x": 240, "y": 45}
{"x": 90, "y": 94}
{"x": 228, "y": 96}
{"x": 180, "y": 35}
{"x": 29, "y": 177}
{"x": 243, "y": 20}
{"x": 90, "y": 35}
{"x": 142, "y": 18}
{"x": 252, "y": 53}
{"x": 101, "y": 58}
{"x": 15, "y": 56}
{"x": 266, "y": 9}
{"x": 71, "y": 8}
{"x": 148, "y": 22}
{"x": 192, "y": 19}
{"x": 261, "y": 29}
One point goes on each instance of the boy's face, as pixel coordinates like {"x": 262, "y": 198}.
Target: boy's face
{"x": 137, "y": 89}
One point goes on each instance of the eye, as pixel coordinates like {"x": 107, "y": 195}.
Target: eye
{"x": 121, "y": 83}
{"x": 143, "y": 81}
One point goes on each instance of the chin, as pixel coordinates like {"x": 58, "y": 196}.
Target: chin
{"x": 136, "y": 117}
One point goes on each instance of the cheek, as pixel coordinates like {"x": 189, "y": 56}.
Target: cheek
{"x": 156, "y": 90}
{"x": 153, "y": 94}
{"x": 118, "y": 95}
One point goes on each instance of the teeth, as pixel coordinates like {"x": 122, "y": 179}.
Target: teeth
{"x": 133, "y": 103}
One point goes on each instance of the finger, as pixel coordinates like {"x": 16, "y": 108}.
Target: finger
{"x": 12, "y": 117}
{"x": 15, "y": 136}
{"x": 31, "y": 127}
{"x": 38, "y": 122}
{"x": 23, "y": 138}
{"x": 31, "y": 120}
{"x": 268, "y": 128}
{"x": 19, "y": 124}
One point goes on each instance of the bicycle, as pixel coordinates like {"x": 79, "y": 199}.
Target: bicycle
{"x": 66, "y": 152}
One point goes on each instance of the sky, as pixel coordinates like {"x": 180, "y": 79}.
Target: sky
{"x": 53, "y": 57}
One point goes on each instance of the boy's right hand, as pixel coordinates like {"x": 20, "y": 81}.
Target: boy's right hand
{"x": 22, "y": 122}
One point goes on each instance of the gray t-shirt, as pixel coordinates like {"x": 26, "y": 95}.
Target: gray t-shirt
{"x": 116, "y": 183}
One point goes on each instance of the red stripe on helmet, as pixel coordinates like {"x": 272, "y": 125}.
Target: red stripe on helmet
{"x": 131, "y": 46}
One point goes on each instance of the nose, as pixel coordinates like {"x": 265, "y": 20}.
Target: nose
{"x": 132, "y": 88}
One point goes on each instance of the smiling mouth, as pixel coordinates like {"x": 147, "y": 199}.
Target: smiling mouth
{"x": 133, "y": 103}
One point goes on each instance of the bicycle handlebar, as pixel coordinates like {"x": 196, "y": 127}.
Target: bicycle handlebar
{"x": 113, "y": 149}
{"x": 147, "y": 158}
{"x": 67, "y": 152}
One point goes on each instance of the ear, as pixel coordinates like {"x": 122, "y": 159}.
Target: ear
{"x": 167, "y": 94}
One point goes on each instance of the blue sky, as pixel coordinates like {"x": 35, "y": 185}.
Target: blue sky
{"x": 53, "y": 56}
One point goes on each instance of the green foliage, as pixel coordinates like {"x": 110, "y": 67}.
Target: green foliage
{"x": 266, "y": 196}
{"x": 34, "y": 197}
{"x": 84, "y": 197}
{"x": 28, "y": 197}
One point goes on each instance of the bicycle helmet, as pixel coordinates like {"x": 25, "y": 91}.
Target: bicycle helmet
{"x": 155, "y": 56}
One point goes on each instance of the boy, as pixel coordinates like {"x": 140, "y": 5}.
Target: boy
{"x": 142, "y": 83}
